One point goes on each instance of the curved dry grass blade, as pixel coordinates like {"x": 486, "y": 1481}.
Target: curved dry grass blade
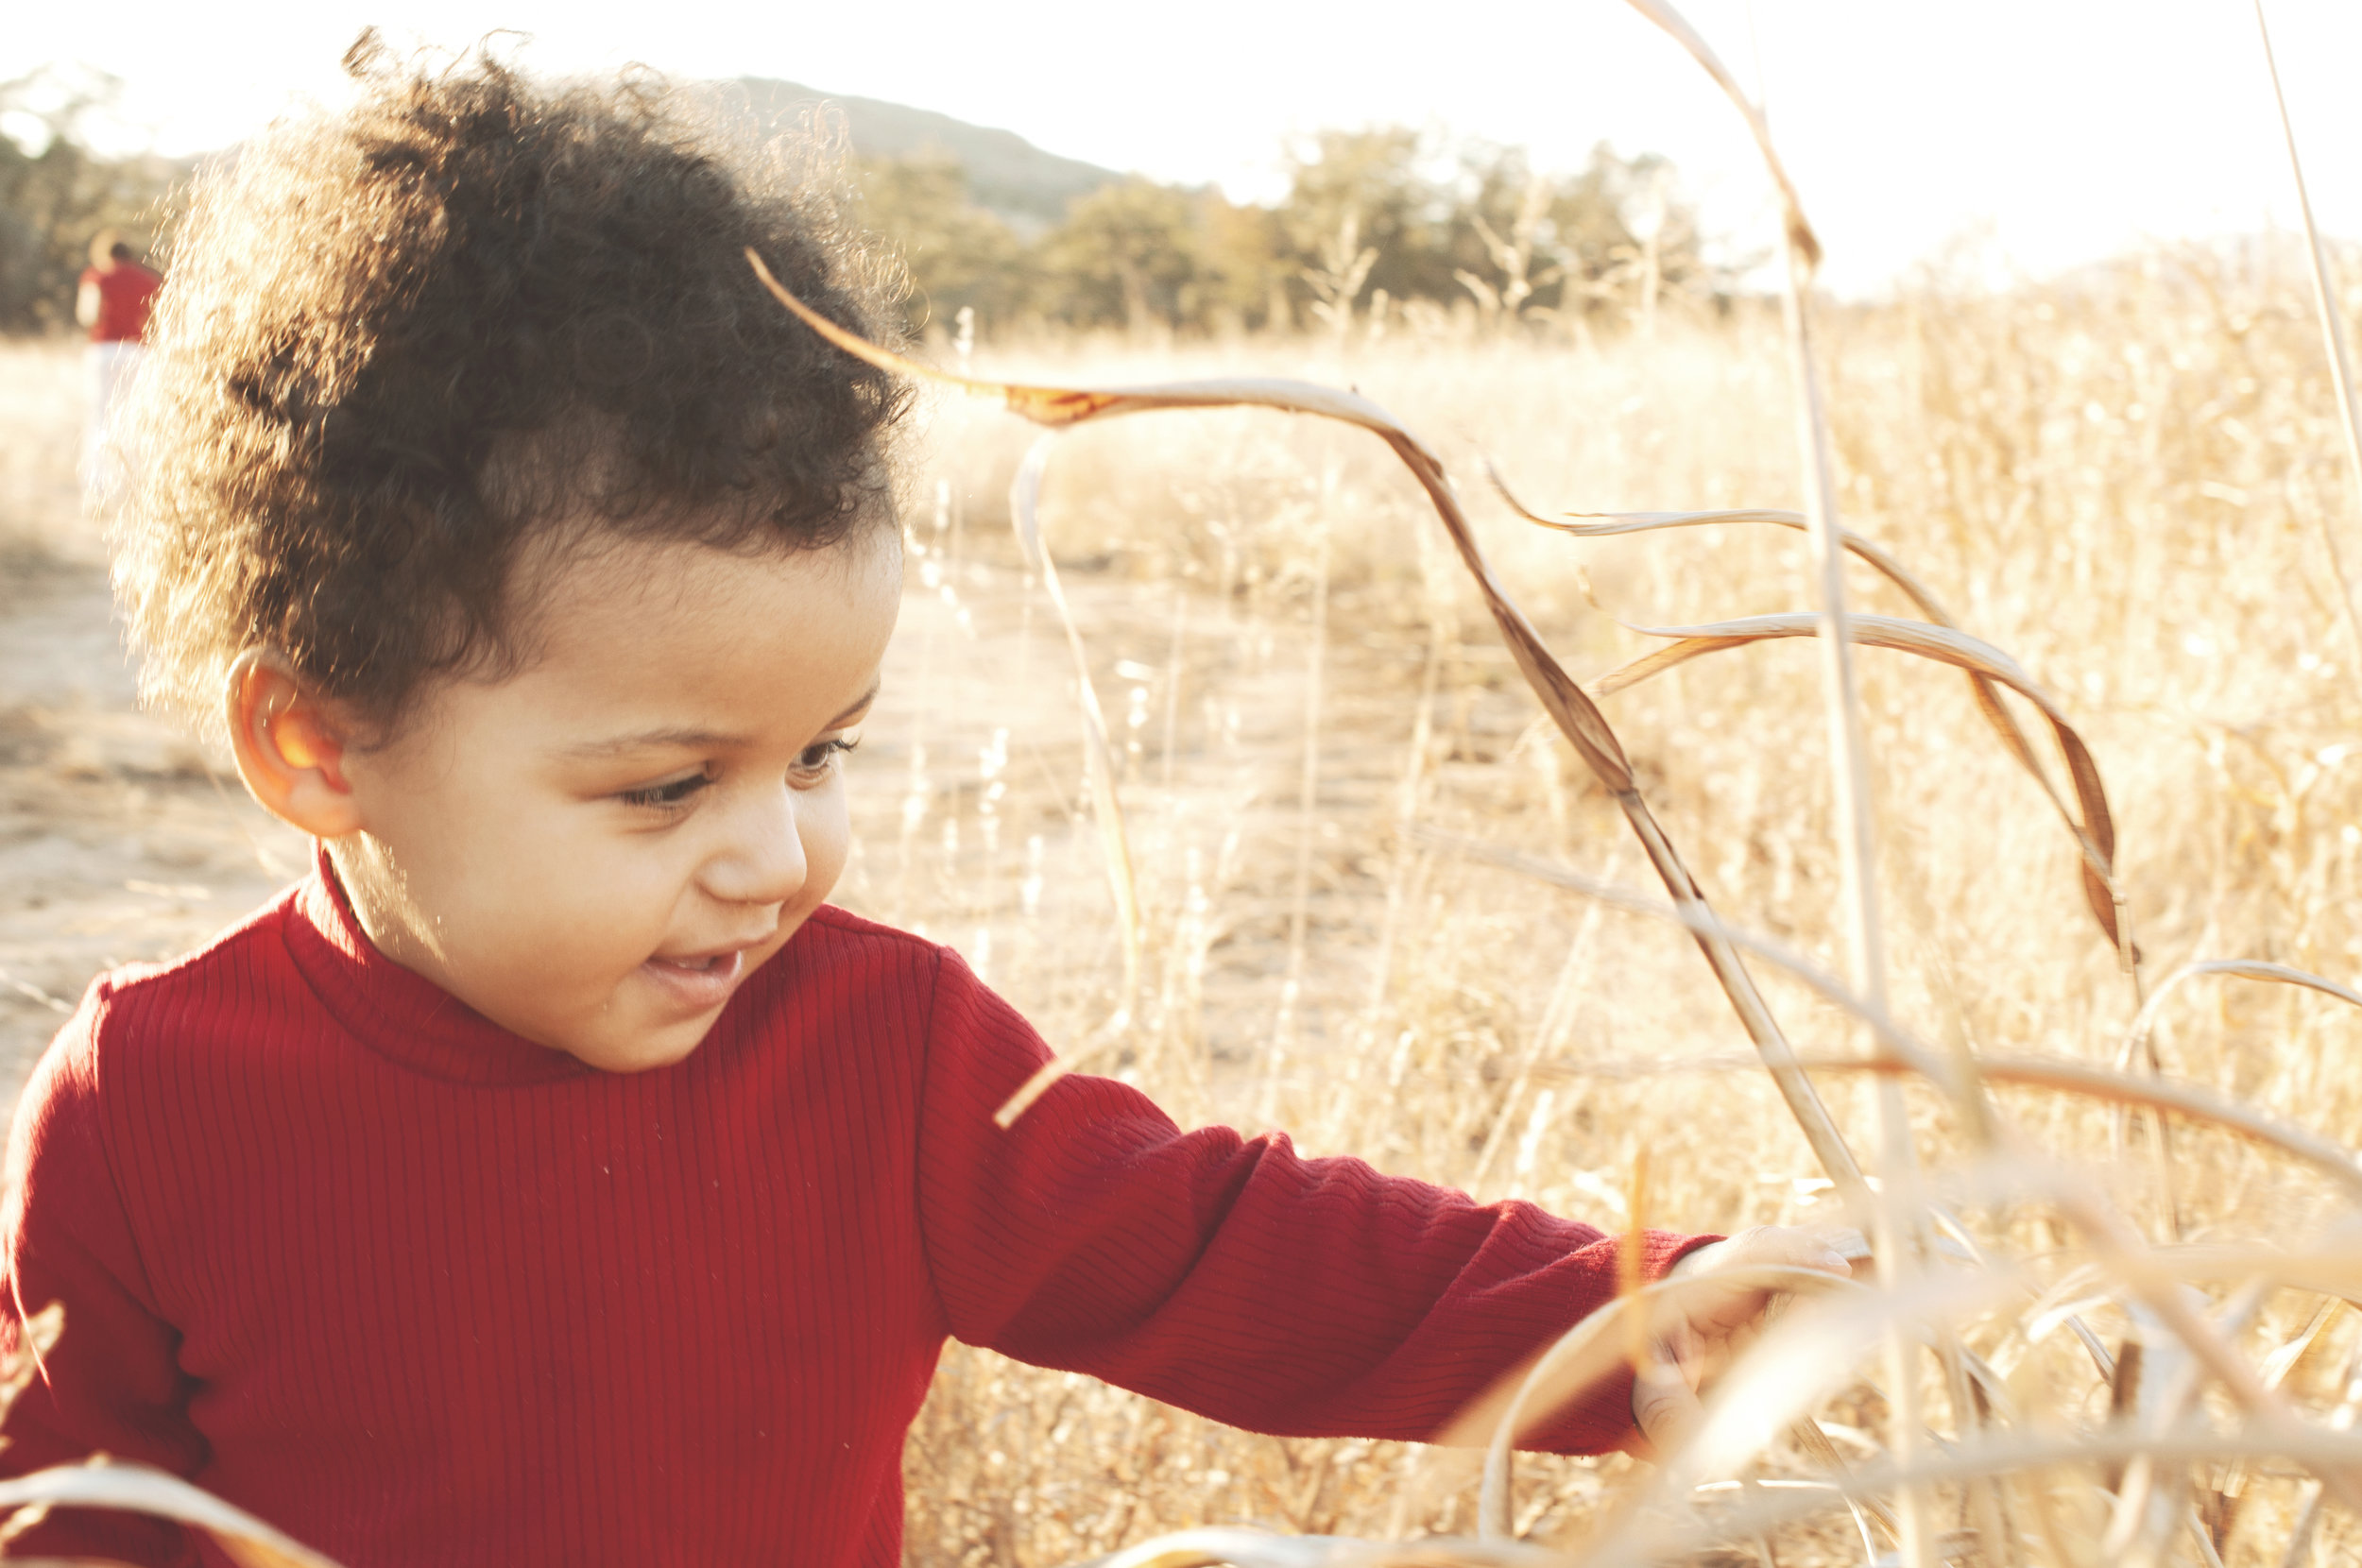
{"x": 2133, "y": 1267}
{"x": 2136, "y": 1038}
{"x": 2282, "y": 1361}
{"x": 1785, "y": 1369}
{"x": 1568, "y": 706}
{"x": 1578, "y": 1359}
{"x": 2095, "y": 835}
{"x": 2161, "y": 1094}
{"x": 1610, "y": 524}
{"x": 1099, "y": 766}
{"x": 2332, "y": 1271}
{"x": 2127, "y": 1265}
{"x": 1799, "y": 234}
{"x": 1057, "y": 407}
{"x": 1217, "y": 1545}
{"x": 2121, "y": 1247}
{"x": 2003, "y": 723}
{"x": 1807, "y": 1357}
{"x": 2327, "y": 1264}
{"x": 37, "y": 1336}
{"x": 2323, "y": 1452}
{"x": 2183, "y": 1100}
{"x": 1815, "y": 1445}
{"x": 1801, "y": 1360}
{"x": 1946, "y": 644}
{"x": 140, "y": 1489}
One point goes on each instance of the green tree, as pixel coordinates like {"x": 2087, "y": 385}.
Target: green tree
{"x": 1375, "y": 184}
{"x": 1625, "y": 235}
{"x": 1130, "y": 253}
{"x": 958, "y": 254}
{"x": 1244, "y": 270}
{"x": 1366, "y": 211}
{"x": 1505, "y": 254}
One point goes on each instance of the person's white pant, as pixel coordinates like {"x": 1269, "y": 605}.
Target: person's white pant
{"x": 109, "y": 370}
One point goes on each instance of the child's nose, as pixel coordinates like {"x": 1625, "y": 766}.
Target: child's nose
{"x": 762, "y": 861}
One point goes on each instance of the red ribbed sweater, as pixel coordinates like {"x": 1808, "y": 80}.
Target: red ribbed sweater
{"x": 418, "y": 1291}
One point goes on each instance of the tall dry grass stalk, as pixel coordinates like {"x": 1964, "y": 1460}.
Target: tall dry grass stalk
{"x": 2333, "y": 327}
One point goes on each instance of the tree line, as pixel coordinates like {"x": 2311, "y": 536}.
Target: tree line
{"x": 1377, "y": 224}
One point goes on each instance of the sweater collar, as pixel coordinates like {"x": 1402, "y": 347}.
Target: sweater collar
{"x": 399, "y": 1015}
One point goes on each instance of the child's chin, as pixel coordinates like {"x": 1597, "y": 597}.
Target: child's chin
{"x": 666, "y": 1047}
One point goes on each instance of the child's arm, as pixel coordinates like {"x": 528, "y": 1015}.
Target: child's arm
{"x": 111, "y": 1383}
{"x": 1229, "y": 1275}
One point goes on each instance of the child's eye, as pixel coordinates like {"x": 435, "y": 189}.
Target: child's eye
{"x": 672, "y": 793}
{"x": 814, "y": 759}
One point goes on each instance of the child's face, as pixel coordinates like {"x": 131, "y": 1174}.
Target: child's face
{"x": 595, "y": 852}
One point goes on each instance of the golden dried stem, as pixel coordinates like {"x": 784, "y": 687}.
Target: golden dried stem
{"x": 2333, "y": 335}
{"x": 1099, "y": 766}
{"x": 142, "y": 1488}
{"x": 1849, "y": 767}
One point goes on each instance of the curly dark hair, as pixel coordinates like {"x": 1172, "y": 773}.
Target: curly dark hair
{"x": 402, "y": 340}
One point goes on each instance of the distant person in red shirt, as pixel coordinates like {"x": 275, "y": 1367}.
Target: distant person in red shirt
{"x": 554, "y": 1176}
{"x": 112, "y": 301}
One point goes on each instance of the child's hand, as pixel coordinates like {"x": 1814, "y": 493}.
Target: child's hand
{"x": 1697, "y": 1332}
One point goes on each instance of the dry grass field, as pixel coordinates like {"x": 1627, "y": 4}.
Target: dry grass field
{"x": 2123, "y": 479}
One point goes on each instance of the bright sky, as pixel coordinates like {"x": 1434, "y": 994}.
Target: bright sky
{"x": 2056, "y": 130}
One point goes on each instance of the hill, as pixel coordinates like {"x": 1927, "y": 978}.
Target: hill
{"x": 1007, "y": 176}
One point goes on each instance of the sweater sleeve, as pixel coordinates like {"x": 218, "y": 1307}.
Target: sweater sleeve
{"x": 1228, "y": 1275}
{"x": 110, "y": 1384}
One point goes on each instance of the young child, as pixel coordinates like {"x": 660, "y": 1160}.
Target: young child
{"x": 553, "y": 1177}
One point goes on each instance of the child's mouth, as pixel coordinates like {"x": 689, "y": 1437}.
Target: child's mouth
{"x": 699, "y": 982}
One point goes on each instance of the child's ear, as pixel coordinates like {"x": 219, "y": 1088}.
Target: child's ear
{"x": 290, "y": 745}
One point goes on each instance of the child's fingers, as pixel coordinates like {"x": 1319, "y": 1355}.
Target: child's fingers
{"x": 1826, "y": 1249}
{"x": 1830, "y": 1248}
{"x": 1847, "y": 1243}
{"x": 1663, "y": 1403}
{"x": 1707, "y": 1326}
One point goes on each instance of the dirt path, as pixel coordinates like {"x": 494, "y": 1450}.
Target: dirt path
{"x": 118, "y": 840}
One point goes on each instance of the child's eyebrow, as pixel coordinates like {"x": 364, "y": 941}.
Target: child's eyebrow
{"x": 653, "y": 740}
{"x": 690, "y": 739}
{"x": 860, "y": 703}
